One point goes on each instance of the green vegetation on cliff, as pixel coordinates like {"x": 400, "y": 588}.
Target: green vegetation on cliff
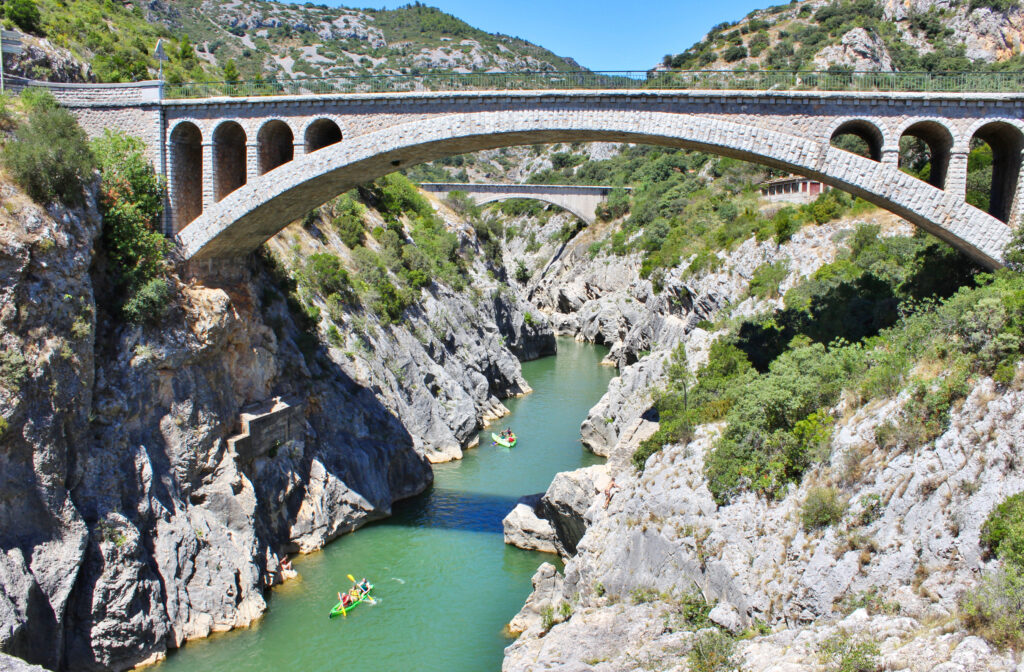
{"x": 793, "y": 37}
{"x": 995, "y": 608}
{"x": 48, "y": 154}
{"x": 860, "y": 325}
{"x": 208, "y": 41}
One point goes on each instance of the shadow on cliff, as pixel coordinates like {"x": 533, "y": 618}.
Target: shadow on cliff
{"x": 157, "y": 458}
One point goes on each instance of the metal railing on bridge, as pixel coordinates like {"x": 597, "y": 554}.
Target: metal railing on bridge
{"x": 708, "y": 80}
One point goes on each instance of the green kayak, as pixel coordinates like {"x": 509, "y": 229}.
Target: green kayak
{"x": 340, "y": 610}
{"x": 508, "y": 443}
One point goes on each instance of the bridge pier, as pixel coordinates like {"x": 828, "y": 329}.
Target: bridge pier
{"x": 891, "y": 155}
{"x": 252, "y": 161}
{"x": 209, "y": 175}
{"x": 956, "y": 174}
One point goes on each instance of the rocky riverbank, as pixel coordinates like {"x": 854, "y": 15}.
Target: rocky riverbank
{"x": 647, "y": 546}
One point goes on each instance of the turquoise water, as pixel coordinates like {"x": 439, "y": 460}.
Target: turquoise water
{"x": 446, "y": 584}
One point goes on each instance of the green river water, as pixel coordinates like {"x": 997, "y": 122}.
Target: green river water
{"x": 446, "y": 584}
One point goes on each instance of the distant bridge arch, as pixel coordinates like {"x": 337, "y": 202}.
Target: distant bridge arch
{"x": 581, "y": 201}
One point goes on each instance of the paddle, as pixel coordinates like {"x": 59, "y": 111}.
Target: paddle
{"x": 365, "y": 595}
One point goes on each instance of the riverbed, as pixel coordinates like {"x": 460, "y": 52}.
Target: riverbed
{"x": 446, "y": 584}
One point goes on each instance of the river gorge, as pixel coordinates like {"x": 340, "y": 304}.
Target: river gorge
{"x": 445, "y": 582}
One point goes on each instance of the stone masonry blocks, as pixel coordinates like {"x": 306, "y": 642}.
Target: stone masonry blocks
{"x": 789, "y": 130}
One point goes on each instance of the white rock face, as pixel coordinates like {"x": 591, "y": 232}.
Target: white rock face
{"x": 665, "y": 533}
{"x": 858, "y": 50}
{"x": 525, "y": 529}
{"x": 907, "y": 545}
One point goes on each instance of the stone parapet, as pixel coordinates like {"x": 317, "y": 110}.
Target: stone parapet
{"x": 266, "y": 427}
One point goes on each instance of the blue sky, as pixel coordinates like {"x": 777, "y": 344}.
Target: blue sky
{"x": 599, "y": 34}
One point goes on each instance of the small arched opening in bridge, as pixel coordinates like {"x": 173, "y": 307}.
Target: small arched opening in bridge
{"x": 859, "y": 137}
{"x": 187, "y": 170}
{"x": 276, "y": 144}
{"x": 518, "y": 205}
{"x": 993, "y": 166}
{"x": 924, "y": 152}
{"x": 322, "y": 133}
{"x": 228, "y": 158}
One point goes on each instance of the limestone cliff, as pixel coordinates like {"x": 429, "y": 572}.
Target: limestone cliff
{"x": 888, "y": 575}
{"x": 154, "y": 476}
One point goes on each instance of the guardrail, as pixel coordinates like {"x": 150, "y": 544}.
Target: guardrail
{"x": 710, "y": 80}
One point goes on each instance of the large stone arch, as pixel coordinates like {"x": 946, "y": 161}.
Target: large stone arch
{"x": 186, "y": 173}
{"x": 242, "y": 222}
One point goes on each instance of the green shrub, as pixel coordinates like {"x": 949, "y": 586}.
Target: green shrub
{"x": 705, "y": 262}
{"x": 712, "y": 652}
{"x": 995, "y": 608}
{"x": 230, "y": 71}
{"x": 131, "y": 200}
{"x": 843, "y": 654}
{"x": 349, "y": 222}
{"x": 734, "y": 53}
{"x": 823, "y": 507}
{"x": 325, "y": 273}
{"x": 522, "y": 274}
{"x": 49, "y": 156}
{"x": 3, "y": 427}
{"x": 148, "y": 303}
{"x": 25, "y": 15}
{"x": 547, "y": 618}
{"x": 643, "y": 595}
{"x": 695, "y": 610}
{"x": 766, "y": 280}
{"x": 13, "y": 369}
{"x": 1003, "y": 531}
{"x": 389, "y": 303}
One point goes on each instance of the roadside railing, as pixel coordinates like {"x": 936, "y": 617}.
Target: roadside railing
{"x": 710, "y": 80}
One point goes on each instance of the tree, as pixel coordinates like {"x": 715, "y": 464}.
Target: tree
{"x": 25, "y": 14}
{"x": 131, "y": 200}
{"x": 230, "y": 72}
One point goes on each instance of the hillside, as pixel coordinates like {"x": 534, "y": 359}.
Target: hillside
{"x": 884, "y": 35}
{"x": 250, "y": 39}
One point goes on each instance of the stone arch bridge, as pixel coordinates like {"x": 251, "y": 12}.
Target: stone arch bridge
{"x": 581, "y": 201}
{"x": 240, "y": 168}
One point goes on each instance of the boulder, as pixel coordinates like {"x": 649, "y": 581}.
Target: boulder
{"x": 525, "y": 529}
{"x": 566, "y": 502}
{"x": 547, "y": 592}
